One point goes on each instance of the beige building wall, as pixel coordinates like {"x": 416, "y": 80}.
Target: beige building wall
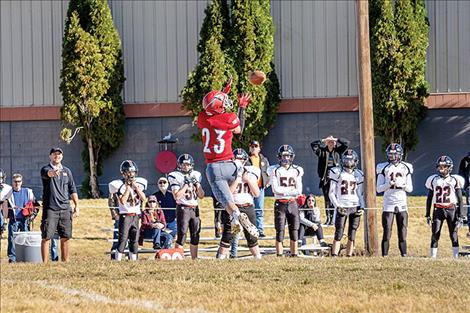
{"x": 315, "y": 52}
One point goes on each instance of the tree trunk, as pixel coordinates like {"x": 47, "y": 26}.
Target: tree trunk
{"x": 95, "y": 193}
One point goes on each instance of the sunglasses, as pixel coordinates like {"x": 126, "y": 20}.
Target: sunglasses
{"x": 152, "y": 201}
{"x": 162, "y": 182}
{"x": 17, "y": 181}
{"x": 254, "y": 146}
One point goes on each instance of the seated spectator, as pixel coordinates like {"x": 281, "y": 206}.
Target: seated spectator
{"x": 310, "y": 224}
{"x": 153, "y": 225}
{"x": 167, "y": 201}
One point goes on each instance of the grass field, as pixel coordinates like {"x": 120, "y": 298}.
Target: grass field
{"x": 90, "y": 282}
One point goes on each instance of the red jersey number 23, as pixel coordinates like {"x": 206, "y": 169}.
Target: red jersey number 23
{"x": 218, "y": 144}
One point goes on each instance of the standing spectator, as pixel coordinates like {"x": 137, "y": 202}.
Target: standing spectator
{"x": 58, "y": 188}
{"x": 217, "y": 128}
{"x": 347, "y": 197}
{"x": 257, "y": 159}
{"x": 445, "y": 200}
{"x": 394, "y": 180}
{"x": 22, "y": 198}
{"x": 464, "y": 171}
{"x": 153, "y": 225}
{"x": 5, "y": 195}
{"x": 130, "y": 194}
{"x": 167, "y": 201}
{"x": 310, "y": 224}
{"x": 286, "y": 182}
{"x": 329, "y": 151}
{"x": 185, "y": 183}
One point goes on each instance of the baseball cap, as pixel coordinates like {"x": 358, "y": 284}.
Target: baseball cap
{"x": 254, "y": 143}
{"x": 57, "y": 149}
{"x": 152, "y": 198}
{"x": 162, "y": 179}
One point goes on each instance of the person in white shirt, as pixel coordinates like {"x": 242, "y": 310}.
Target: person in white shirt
{"x": 185, "y": 184}
{"x": 244, "y": 188}
{"x": 394, "y": 180}
{"x": 286, "y": 183}
{"x": 445, "y": 199}
{"x": 130, "y": 195}
{"x": 347, "y": 197}
{"x": 5, "y": 195}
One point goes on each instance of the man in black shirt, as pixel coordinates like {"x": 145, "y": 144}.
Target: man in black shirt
{"x": 329, "y": 151}
{"x": 58, "y": 188}
{"x": 167, "y": 201}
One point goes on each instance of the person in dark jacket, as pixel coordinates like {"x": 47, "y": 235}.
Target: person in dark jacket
{"x": 153, "y": 224}
{"x": 167, "y": 202}
{"x": 258, "y": 160}
{"x": 328, "y": 151}
{"x": 464, "y": 171}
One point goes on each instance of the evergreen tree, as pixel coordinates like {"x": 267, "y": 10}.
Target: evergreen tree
{"x": 104, "y": 132}
{"x": 252, "y": 48}
{"x": 399, "y": 39}
{"x": 215, "y": 67}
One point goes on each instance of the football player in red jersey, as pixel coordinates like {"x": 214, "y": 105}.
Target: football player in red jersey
{"x": 217, "y": 126}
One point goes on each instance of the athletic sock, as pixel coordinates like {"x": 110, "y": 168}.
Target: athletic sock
{"x": 433, "y": 253}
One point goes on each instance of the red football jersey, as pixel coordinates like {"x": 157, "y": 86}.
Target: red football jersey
{"x": 217, "y": 135}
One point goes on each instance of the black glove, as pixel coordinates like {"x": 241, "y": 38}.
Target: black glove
{"x": 359, "y": 211}
{"x": 342, "y": 211}
{"x": 459, "y": 222}
{"x": 429, "y": 221}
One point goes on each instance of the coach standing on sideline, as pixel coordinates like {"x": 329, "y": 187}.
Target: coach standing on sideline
{"x": 58, "y": 188}
{"x": 329, "y": 151}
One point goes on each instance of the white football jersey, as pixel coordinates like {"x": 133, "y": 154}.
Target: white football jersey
{"x": 176, "y": 180}
{"x": 286, "y": 183}
{"x": 242, "y": 194}
{"x": 346, "y": 188}
{"x": 133, "y": 202}
{"x": 444, "y": 189}
{"x": 394, "y": 195}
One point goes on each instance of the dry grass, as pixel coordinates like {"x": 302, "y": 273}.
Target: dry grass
{"x": 90, "y": 282}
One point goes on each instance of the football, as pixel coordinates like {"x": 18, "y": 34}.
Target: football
{"x": 257, "y": 77}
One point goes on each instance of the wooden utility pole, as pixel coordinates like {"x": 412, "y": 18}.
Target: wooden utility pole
{"x": 366, "y": 121}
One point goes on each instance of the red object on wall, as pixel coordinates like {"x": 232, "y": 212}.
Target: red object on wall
{"x": 165, "y": 161}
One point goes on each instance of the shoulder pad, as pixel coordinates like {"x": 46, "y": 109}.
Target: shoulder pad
{"x": 115, "y": 185}
{"x": 409, "y": 166}
{"x": 271, "y": 169}
{"x": 142, "y": 181}
{"x": 253, "y": 170}
{"x": 429, "y": 180}
{"x": 380, "y": 167}
{"x": 299, "y": 169}
{"x": 460, "y": 181}
{"x": 334, "y": 173}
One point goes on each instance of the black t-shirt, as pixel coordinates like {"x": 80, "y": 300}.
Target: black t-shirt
{"x": 167, "y": 201}
{"x": 57, "y": 190}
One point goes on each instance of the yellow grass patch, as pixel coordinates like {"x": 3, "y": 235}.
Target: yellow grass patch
{"x": 92, "y": 283}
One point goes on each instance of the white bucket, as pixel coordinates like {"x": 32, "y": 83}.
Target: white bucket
{"x": 28, "y": 246}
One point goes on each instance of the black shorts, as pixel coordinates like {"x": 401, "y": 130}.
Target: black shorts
{"x": 60, "y": 221}
{"x": 286, "y": 211}
{"x": 187, "y": 217}
{"x": 227, "y": 229}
